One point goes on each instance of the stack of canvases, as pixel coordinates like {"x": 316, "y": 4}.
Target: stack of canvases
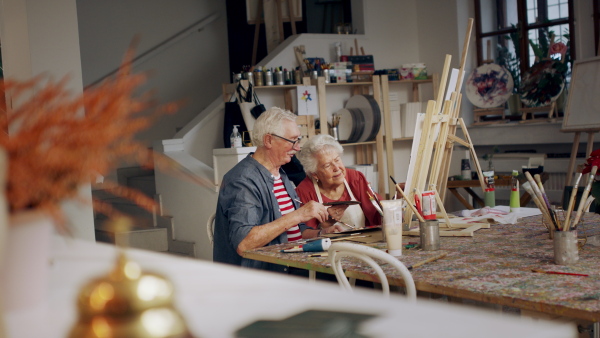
{"x": 408, "y": 113}
{"x": 404, "y": 116}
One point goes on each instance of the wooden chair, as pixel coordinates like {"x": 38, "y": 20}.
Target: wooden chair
{"x": 210, "y": 228}
{"x": 339, "y": 250}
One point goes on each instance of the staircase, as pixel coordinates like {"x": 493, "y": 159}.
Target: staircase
{"x": 151, "y": 230}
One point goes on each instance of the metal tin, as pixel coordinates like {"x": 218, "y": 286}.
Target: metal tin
{"x": 237, "y": 77}
{"x": 258, "y": 78}
{"x": 429, "y": 205}
{"x": 565, "y": 247}
{"x": 268, "y": 78}
{"x": 326, "y": 75}
{"x": 249, "y": 76}
{"x": 314, "y": 75}
{"x": 298, "y": 77}
{"x": 287, "y": 77}
{"x": 429, "y": 231}
{"x": 279, "y": 78}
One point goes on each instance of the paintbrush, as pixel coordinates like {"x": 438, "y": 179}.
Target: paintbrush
{"x": 543, "y": 201}
{"x": 538, "y": 203}
{"x": 410, "y": 205}
{"x": 375, "y": 196}
{"x": 559, "y": 273}
{"x": 540, "y": 185}
{"x": 571, "y": 202}
{"x": 434, "y": 258}
{"x": 375, "y": 204}
{"x": 584, "y": 197}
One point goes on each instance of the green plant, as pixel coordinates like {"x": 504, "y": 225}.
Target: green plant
{"x": 509, "y": 60}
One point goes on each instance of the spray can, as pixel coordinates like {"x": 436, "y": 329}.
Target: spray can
{"x": 515, "y": 203}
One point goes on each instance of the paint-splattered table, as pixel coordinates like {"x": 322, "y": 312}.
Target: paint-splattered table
{"x": 494, "y": 266}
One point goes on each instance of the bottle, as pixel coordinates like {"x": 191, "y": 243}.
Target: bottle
{"x": 392, "y": 226}
{"x": 236, "y": 138}
{"x": 515, "y": 203}
{"x": 489, "y": 196}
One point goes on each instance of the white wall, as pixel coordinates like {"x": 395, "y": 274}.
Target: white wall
{"x": 192, "y": 69}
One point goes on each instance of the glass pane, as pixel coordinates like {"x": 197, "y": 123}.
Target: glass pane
{"x": 497, "y": 14}
{"x": 540, "y": 42}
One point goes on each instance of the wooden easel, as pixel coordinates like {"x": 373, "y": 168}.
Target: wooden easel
{"x": 575, "y": 148}
{"x": 273, "y": 20}
{"x": 435, "y": 147}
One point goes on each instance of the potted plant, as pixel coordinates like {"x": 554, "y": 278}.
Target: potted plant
{"x": 52, "y": 143}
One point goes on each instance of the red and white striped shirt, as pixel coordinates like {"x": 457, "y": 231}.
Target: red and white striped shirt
{"x": 286, "y": 206}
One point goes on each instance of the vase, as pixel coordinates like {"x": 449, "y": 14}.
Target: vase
{"x": 514, "y": 104}
{"x": 25, "y": 268}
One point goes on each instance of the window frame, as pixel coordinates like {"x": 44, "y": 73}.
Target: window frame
{"x": 524, "y": 31}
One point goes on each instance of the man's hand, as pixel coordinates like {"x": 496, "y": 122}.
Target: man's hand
{"x": 313, "y": 209}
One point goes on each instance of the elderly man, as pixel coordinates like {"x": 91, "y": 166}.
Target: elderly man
{"x": 257, "y": 204}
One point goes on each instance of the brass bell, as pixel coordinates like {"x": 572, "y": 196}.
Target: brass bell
{"x": 128, "y": 303}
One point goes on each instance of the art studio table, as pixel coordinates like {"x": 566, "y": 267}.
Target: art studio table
{"x": 217, "y": 299}
{"x": 494, "y": 266}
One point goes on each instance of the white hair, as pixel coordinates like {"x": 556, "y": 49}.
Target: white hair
{"x": 270, "y": 122}
{"x": 321, "y": 143}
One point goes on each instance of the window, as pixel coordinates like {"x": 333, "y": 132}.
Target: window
{"x": 516, "y": 33}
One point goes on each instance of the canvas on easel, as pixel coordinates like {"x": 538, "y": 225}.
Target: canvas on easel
{"x": 431, "y": 160}
{"x": 582, "y": 112}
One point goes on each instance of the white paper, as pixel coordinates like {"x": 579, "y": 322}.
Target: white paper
{"x": 308, "y": 102}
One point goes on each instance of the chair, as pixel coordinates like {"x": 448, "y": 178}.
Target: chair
{"x": 339, "y": 250}
{"x": 210, "y": 228}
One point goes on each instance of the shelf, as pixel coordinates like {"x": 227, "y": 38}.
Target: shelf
{"x": 357, "y": 143}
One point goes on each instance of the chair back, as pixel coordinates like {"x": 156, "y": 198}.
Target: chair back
{"x": 210, "y": 228}
{"x": 339, "y": 250}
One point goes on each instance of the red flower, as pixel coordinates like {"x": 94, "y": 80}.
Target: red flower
{"x": 592, "y": 161}
{"x": 557, "y": 48}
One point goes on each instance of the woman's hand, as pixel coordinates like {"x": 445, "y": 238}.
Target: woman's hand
{"x": 332, "y": 229}
{"x": 337, "y": 211}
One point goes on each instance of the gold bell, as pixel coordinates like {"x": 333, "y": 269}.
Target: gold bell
{"x": 128, "y": 303}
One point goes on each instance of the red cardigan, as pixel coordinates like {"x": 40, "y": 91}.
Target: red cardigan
{"x": 357, "y": 183}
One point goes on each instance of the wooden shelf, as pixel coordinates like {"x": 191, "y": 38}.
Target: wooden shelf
{"x": 357, "y": 143}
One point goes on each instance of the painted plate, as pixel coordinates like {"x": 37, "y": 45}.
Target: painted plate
{"x": 542, "y": 83}
{"x": 489, "y": 86}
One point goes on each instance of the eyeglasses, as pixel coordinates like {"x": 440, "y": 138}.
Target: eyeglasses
{"x": 290, "y": 141}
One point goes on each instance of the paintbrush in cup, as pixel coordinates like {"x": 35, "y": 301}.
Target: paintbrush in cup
{"x": 584, "y": 197}
{"x": 539, "y": 204}
{"x": 571, "y": 204}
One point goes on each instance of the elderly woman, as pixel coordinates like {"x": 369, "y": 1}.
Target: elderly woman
{"x": 327, "y": 180}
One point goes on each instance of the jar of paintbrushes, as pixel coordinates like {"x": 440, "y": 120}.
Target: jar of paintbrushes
{"x": 564, "y": 229}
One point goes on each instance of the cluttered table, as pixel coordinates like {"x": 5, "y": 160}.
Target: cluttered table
{"x": 494, "y": 266}
{"x": 218, "y": 300}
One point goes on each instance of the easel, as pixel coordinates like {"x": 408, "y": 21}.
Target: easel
{"x": 433, "y": 156}
{"x": 575, "y": 148}
{"x": 273, "y": 20}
